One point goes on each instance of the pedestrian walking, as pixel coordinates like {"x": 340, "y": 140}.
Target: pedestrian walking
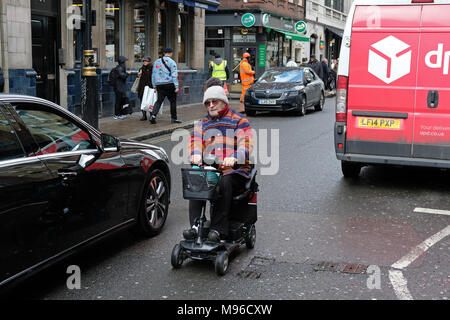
{"x": 219, "y": 69}
{"x": 165, "y": 80}
{"x": 316, "y": 66}
{"x": 325, "y": 74}
{"x": 247, "y": 78}
{"x": 117, "y": 79}
{"x": 145, "y": 80}
{"x": 291, "y": 63}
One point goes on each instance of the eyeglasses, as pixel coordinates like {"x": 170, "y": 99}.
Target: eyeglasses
{"x": 209, "y": 102}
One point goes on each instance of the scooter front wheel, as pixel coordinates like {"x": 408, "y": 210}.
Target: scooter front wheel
{"x": 177, "y": 257}
{"x": 221, "y": 263}
{"x": 250, "y": 240}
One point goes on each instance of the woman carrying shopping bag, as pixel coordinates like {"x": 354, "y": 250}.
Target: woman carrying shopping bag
{"x": 145, "y": 80}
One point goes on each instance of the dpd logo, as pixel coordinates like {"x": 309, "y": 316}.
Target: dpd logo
{"x": 390, "y": 59}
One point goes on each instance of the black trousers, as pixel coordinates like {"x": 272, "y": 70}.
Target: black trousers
{"x": 166, "y": 90}
{"x": 119, "y": 99}
{"x": 229, "y": 186}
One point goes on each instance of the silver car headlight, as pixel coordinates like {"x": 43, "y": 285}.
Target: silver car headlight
{"x": 293, "y": 93}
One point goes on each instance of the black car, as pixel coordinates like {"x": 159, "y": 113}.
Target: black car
{"x": 64, "y": 184}
{"x": 286, "y": 89}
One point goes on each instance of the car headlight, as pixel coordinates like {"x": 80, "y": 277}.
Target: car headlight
{"x": 293, "y": 93}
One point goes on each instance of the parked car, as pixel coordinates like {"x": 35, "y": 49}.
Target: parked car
{"x": 286, "y": 89}
{"x": 64, "y": 184}
{"x": 393, "y": 97}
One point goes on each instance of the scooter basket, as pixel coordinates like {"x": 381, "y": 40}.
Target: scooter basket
{"x": 200, "y": 184}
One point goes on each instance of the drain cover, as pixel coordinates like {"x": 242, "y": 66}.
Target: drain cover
{"x": 341, "y": 267}
{"x": 246, "y": 274}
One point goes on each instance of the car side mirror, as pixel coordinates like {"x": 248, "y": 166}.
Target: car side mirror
{"x": 307, "y": 81}
{"x": 110, "y": 143}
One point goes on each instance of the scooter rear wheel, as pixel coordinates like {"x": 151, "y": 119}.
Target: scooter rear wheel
{"x": 250, "y": 240}
{"x": 177, "y": 257}
{"x": 221, "y": 263}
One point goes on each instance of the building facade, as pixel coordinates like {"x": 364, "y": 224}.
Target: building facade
{"x": 268, "y": 30}
{"x": 326, "y": 22}
{"x": 41, "y": 45}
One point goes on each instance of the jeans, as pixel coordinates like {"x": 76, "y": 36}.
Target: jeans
{"x": 229, "y": 186}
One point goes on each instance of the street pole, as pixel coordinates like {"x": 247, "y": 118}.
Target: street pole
{"x": 89, "y": 107}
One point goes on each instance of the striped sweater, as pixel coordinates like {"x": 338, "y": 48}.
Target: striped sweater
{"x": 228, "y": 136}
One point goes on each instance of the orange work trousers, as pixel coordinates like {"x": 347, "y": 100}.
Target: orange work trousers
{"x": 244, "y": 90}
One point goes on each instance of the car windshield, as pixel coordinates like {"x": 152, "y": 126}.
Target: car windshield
{"x": 281, "y": 76}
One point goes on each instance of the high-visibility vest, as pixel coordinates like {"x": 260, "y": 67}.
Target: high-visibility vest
{"x": 246, "y": 79}
{"x": 219, "y": 70}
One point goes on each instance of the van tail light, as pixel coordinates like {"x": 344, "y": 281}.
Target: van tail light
{"x": 341, "y": 99}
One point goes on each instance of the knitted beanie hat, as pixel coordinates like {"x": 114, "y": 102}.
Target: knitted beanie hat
{"x": 215, "y": 92}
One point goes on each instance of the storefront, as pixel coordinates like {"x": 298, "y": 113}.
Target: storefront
{"x": 269, "y": 39}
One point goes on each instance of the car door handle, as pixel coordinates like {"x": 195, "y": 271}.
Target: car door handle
{"x": 66, "y": 174}
{"x": 433, "y": 99}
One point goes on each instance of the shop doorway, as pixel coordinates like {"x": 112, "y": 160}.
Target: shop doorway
{"x": 44, "y": 56}
{"x": 236, "y": 85}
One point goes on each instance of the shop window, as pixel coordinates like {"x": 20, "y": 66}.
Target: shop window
{"x": 140, "y": 26}
{"x": 112, "y": 28}
{"x": 162, "y": 30}
{"x": 215, "y": 33}
{"x": 183, "y": 26}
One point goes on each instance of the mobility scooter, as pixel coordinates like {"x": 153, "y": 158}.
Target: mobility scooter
{"x": 202, "y": 183}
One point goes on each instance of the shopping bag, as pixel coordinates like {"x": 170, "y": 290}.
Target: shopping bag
{"x": 149, "y": 99}
{"x": 127, "y": 106}
{"x": 135, "y": 85}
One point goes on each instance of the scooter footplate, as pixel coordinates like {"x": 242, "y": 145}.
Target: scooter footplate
{"x": 205, "y": 247}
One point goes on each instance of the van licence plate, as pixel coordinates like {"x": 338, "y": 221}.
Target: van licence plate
{"x": 383, "y": 123}
{"x": 268, "y": 101}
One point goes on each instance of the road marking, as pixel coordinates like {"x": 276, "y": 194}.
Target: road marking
{"x": 432, "y": 211}
{"x": 400, "y": 285}
{"x": 396, "y": 276}
{"x": 421, "y": 249}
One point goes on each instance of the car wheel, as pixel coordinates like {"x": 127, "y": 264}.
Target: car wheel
{"x": 250, "y": 113}
{"x": 301, "y": 111}
{"x": 177, "y": 257}
{"x": 350, "y": 169}
{"x": 319, "y": 106}
{"x": 221, "y": 263}
{"x": 155, "y": 205}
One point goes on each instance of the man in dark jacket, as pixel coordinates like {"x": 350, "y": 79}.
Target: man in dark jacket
{"x": 145, "y": 80}
{"x": 316, "y": 66}
{"x": 119, "y": 86}
{"x": 326, "y": 73}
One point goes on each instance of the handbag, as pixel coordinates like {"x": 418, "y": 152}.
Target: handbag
{"x": 134, "y": 87}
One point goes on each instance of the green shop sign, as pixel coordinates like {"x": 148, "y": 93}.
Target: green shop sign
{"x": 248, "y": 20}
{"x": 262, "y": 55}
{"x": 300, "y": 26}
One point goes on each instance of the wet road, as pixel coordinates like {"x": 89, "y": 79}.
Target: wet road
{"x": 314, "y": 229}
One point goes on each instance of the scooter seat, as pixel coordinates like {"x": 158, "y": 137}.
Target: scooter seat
{"x": 248, "y": 186}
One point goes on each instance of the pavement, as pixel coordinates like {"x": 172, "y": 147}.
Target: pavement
{"x": 134, "y": 129}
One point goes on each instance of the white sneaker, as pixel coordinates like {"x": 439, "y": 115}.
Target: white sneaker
{"x": 122, "y": 117}
{"x": 116, "y": 118}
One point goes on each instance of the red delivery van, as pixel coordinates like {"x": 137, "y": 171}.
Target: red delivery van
{"x": 393, "y": 90}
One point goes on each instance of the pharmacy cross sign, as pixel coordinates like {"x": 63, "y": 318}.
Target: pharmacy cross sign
{"x": 248, "y": 20}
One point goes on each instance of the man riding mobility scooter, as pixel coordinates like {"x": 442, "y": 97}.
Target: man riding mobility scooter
{"x": 202, "y": 183}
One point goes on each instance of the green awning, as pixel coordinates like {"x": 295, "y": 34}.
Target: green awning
{"x": 292, "y": 36}
{"x": 295, "y": 36}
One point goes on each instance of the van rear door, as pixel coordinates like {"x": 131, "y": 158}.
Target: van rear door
{"x": 432, "y": 114}
{"x": 382, "y": 80}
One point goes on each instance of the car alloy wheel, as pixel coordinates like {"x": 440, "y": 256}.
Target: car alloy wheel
{"x": 156, "y": 202}
{"x": 155, "y": 205}
{"x": 319, "y": 106}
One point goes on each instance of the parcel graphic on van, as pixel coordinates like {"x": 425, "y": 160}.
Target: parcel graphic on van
{"x": 393, "y": 90}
